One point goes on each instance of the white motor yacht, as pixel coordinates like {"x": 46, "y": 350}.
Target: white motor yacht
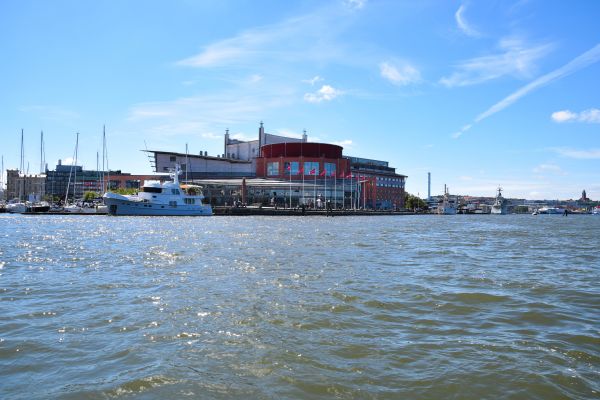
{"x": 154, "y": 198}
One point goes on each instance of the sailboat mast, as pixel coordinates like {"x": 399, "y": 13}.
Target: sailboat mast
{"x": 21, "y": 169}
{"x": 105, "y": 150}
{"x": 42, "y": 152}
{"x": 103, "y": 155}
{"x": 75, "y": 171}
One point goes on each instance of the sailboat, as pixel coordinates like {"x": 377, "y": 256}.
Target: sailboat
{"x": 17, "y": 205}
{"x": 73, "y": 208}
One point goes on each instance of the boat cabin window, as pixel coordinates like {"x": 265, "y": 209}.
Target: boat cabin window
{"x": 174, "y": 191}
{"x": 189, "y": 201}
{"x": 149, "y": 189}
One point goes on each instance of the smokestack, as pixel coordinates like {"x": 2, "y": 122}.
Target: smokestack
{"x": 428, "y": 185}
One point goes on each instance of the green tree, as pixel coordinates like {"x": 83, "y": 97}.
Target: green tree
{"x": 89, "y": 196}
{"x": 412, "y": 202}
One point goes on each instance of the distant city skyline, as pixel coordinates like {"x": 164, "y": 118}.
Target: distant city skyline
{"x": 480, "y": 94}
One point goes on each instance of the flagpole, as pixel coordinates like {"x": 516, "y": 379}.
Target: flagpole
{"x": 302, "y": 172}
{"x": 335, "y": 185}
{"x": 351, "y": 192}
{"x": 315, "y": 189}
{"x": 343, "y": 192}
{"x": 290, "y": 166}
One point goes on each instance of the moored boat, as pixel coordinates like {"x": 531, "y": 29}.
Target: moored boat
{"x": 448, "y": 205}
{"x": 500, "y": 205}
{"x": 154, "y": 198}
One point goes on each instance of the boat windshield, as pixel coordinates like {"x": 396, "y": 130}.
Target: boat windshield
{"x": 149, "y": 189}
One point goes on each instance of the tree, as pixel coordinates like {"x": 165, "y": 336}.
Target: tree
{"x": 412, "y": 202}
{"x": 89, "y": 196}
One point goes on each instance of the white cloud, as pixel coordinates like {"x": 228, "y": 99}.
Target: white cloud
{"x": 515, "y": 59}
{"x": 563, "y": 116}
{"x": 591, "y": 115}
{"x": 288, "y": 133}
{"x": 255, "y": 78}
{"x": 355, "y": 4}
{"x": 582, "y": 61}
{"x": 54, "y": 113}
{"x": 242, "y": 136}
{"x": 589, "y": 154}
{"x": 312, "y": 81}
{"x": 346, "y": 144}
{"x": 305, "y": 38}
{"x": 549, "y": 168}
{"x": 326, "y": 93}
{"x": 462, "y": 22}
{"x": 400, "y": 75}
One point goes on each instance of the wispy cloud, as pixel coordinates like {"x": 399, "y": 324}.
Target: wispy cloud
{"x": 549, "y": 168}
{"x": 582, "y": 61}
{"x": 515, "y": 59}
{"x": 311, "y": 37}
{"x": 326, "y": 93}
{"x": 54, "y": 113}
{"x": 462, "y": 22}
{"x": 399, "y": 74}
{"x": 313, "y": 80}
{"x": 355, "y": 4}
{"x": 346, "y": 144}
{"x": 591, "y": 115}
{"x": 589, "y": 154}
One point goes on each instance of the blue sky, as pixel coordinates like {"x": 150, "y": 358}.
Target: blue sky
{"x": 479, "y": 93}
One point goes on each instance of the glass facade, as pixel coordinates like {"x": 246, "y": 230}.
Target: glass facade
{"x": 292, "y": 167}
{"x": 273, "y": 168}
{"x": 330, "y": 169}
{"x": 311, "y": 166}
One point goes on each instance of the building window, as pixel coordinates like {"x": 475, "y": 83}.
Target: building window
{"x": 273, "y": 168}
{"x": 330, "y": 169}
{"x": 173, "y": 158}
{"x": 292, "y": 167}
{"x": 311, "y": 168}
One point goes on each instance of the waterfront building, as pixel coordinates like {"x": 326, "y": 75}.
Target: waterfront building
{"x": 80, "y": 181}
{"x": 24, "y": 187}
{"x": 288, "y": 172}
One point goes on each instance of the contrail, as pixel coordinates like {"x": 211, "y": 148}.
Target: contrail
{"x": 582, "y": 61}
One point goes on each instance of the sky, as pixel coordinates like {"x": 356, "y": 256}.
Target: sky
{"x": 481, "y": 94}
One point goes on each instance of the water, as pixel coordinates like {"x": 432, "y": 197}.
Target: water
{"x": 423, "y": 307}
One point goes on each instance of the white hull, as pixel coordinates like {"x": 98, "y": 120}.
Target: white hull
{"x": 448, "y": 210}
{"x": 124, "y": 206}
{"x": 16, "y": 208}
{"x": 498, "y": 210}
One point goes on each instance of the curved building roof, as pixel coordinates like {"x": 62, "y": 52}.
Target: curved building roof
{"x": 298, "y": 149}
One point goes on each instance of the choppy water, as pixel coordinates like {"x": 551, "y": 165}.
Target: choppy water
{"x": 423, "y": 307}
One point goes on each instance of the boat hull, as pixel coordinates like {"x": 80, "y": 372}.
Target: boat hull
{"x": 498, "y": 210}
{"x": 128, "y": 207}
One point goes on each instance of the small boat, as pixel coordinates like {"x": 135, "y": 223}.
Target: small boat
{"x": 596, "y": 210}
{"x": 38, "y": 207}
{"x": 500, "y": 205}
{"x": 551, "y": 210}
{"x": 16, "y": 207}
{"x": 154, "y": 198}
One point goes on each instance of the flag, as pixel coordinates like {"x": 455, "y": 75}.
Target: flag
{"x": 289, "y": 167}
{"x": 349, "y": 175}
{"x": 323, "y": 173}
{"x": 313, "y": 171}
{"x": 301, "y": 171}
{"x": 333, "y": 173}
